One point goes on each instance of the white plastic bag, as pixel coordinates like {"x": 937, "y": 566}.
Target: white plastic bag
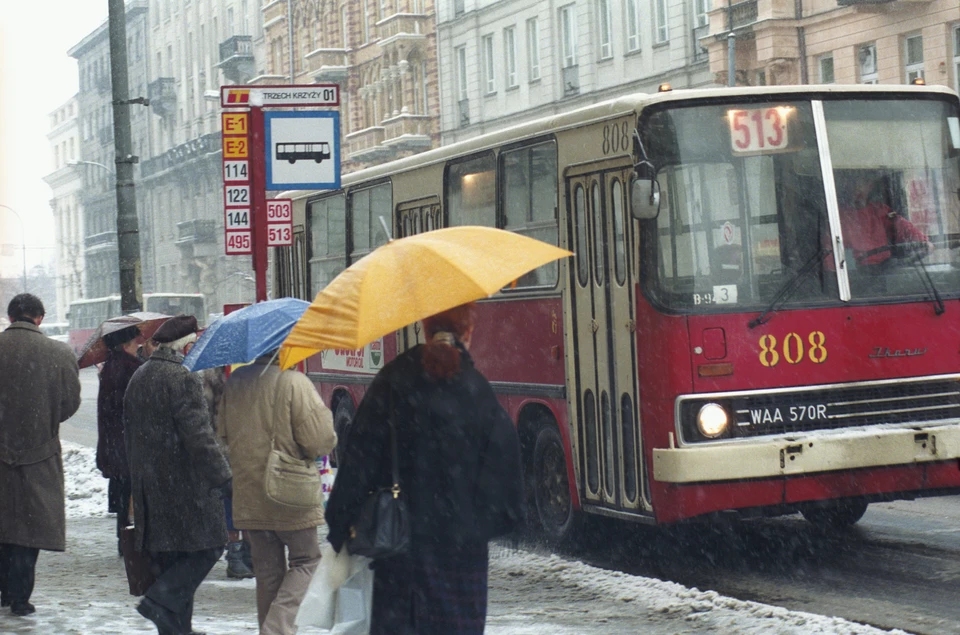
{"x": 319, "y": 603}
{"x": 355, "y": 600}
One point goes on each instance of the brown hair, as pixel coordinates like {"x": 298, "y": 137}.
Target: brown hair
{"x": 441, "y": 359}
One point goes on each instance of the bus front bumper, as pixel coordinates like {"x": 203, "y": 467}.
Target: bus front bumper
{"x": 826, "y": 451}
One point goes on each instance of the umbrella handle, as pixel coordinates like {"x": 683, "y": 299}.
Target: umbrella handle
{"x": 272, "y": 359}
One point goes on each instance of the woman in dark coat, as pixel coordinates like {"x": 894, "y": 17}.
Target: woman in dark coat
{"x": 459, "y": 458}
{"x": 117, "y": 370}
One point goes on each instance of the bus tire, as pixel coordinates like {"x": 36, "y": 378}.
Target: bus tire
{"x": 554, "y": 506}
{"x": 835, "y": 514}
{"x": 342, "y": 417}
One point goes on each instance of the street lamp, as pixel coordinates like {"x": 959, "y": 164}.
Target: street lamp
{"x": 23, "y": 242}
{"x": 99, "y": 165}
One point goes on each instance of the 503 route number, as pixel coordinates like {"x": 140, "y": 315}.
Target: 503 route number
{"x": 793, "y": 350}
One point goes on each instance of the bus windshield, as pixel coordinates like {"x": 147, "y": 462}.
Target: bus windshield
{"x": 745, "y": 221}
{"x": 175, "y": 304}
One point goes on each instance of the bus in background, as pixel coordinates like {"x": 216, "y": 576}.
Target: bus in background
{"x": 723, "y": 340}
{"x": 56, "y": 330}
{"x": 87, "y": 314}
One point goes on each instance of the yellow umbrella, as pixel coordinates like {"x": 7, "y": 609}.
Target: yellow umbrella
{"x": 409, "y": 279}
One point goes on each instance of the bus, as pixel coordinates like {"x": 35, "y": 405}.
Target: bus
{"x": 86, "y": 315}
{"x": 717, "y": 346}
{"x": 293, "y": 152}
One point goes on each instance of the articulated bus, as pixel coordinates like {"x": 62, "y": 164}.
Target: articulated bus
{"x": 86, "y": 315}
{"x": 718, "y": 343}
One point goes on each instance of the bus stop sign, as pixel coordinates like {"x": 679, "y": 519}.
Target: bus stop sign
{"x": 302, "y": 149}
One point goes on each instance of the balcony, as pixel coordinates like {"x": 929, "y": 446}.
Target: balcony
{"x": 408, "y": 133}
{"x": 743, "y": 13}
{"x": 236, "y": 59}
{"x": 328, "y": 65}
{"x": 403, "y": 32}
{"x": 162, "y": 93}
{"x": 100, "y": 242}
{"x": 367, "y": 145}
{"x": 179, "y": 156}
{"x": 196, "y": 231}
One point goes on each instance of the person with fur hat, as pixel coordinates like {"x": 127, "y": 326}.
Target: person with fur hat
{"x": 115, "y": 374}
{"x": 178, "y": 474}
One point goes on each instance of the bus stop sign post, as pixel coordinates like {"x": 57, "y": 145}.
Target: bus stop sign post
{"x": 251, "y": 223}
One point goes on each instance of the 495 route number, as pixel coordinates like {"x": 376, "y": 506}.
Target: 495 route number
{"x": 793, "y": 349}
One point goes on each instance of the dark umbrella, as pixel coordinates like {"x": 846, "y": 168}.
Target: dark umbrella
{"x": 95, "y": 350}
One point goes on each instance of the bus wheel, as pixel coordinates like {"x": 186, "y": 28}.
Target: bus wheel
{"x": 341, "y": 421}
{"x": 551, "y": 487}
{"x": 835, "y": 514}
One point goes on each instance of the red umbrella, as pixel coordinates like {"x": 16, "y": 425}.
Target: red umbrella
{"x": 95, "y": 350}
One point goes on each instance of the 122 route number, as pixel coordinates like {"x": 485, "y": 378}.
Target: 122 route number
{"x": 758, "y": 130}
{"x": 236, "y": 195}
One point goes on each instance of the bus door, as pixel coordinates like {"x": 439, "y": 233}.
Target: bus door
{"x": 604, "y": 335}
{"x": 415, "y": 217}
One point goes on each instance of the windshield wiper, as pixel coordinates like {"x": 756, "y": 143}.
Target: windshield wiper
{"x": 921, "y": 267}
{"x": 788, "y": 287}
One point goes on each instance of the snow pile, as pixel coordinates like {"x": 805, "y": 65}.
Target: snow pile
{"x": 84, "y": 486}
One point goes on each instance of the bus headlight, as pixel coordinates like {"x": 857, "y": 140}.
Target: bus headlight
{"x": 712, "y": 420}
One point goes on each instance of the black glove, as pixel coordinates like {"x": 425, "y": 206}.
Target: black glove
{"x": 225, "y": 489}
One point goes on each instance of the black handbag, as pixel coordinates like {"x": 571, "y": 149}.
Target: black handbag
{"x": 382, "y": 529}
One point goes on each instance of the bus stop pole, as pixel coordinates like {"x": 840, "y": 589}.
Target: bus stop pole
{"x": 258, "y": 202}
{"x": 128, "y": 228}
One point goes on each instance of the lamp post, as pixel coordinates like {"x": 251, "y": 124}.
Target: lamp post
{"x": 23, "y": 242}
{"x": 99, "y": 165}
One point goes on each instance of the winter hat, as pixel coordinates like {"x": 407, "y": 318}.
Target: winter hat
{"x": 175, "y": 328}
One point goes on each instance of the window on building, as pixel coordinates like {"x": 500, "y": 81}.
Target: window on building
{"x": 344, "y": 27}
{"x": 700, "y": 10}
{"x": 461, "y": 57}
{"x": 366, "y": 21}
{"x": 660, "y": 14}
{"x": 533, "y": 49}
{"x": 568, "y": 36}
{"x": 867, "y": 59}
{"x": 458, "y": 7}
{"x": 633, "y": 25}
{"x": 913, "y": 57}
{"x": 604, "y": 29}
{"x": 956, "y": 57}
{"x": 489, "y": 78}
{"x": 510, "y": 57}
{"x": 825, "y": 64}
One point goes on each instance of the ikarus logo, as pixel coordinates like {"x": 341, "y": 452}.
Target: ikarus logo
{"x": 376, "y": 353}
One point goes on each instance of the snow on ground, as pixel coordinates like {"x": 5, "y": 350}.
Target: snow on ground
{"x": 83, "y": 591}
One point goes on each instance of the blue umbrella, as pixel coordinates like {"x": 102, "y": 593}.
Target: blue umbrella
{"x": 244, "y": 335}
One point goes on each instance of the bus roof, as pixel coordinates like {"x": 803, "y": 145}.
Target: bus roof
{"x": 618, "y": 106}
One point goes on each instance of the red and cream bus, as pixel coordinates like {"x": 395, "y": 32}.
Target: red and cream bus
{"x": 717, "y": 344}
{"x": 86, "y": 315}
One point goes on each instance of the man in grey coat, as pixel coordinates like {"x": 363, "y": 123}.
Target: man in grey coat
{"x": 39, "y": 389}
{"x": 178, "y": 474}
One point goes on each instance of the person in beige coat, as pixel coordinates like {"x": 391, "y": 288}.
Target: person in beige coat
{"x": 263, "y": 407}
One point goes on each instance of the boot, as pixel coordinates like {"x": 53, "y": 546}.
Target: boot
{"x": 237, "y": 569}
{"x": 247, "y": 557}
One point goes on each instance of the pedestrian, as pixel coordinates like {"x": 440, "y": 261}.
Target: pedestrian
{"x": 115, "y": 374}
{"x": 459, "y": 467}
{"x": 239, "y": 560}
{"x": 178, "y": 474}
{"x": 39, "y": 390}
{"x": 265, "y": 408}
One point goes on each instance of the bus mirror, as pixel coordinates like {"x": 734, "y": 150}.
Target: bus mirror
{"x": 645, "y": 199}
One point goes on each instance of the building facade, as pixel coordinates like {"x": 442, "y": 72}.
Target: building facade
{"x": 506, "y": 61}
{"x": 196, "y": 45}
{"x": 96, "y": 162}
{"x": 838, "y": 41}
{"x": 65, "y": 182}
{"x": 382, "y": 53}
